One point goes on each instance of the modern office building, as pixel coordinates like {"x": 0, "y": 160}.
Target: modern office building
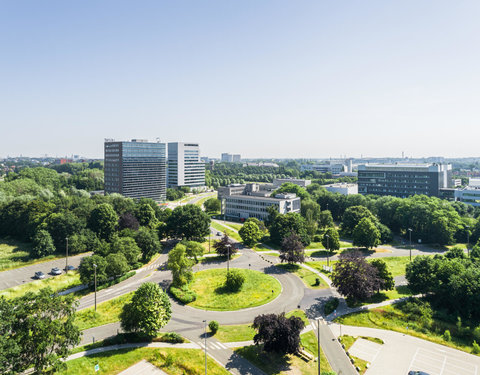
{"x": 136, "y": 169}
{"x": 469, "y": 195}
{"x": 231, "y": 158}
{"x": 404, "y": 180}
{"x": 342, "y": 188}
{"x": 239, "y": 202}
{"x": 325, "y": 168}
{"x": 277, "y": 182}
{"x": 185, "y": 167}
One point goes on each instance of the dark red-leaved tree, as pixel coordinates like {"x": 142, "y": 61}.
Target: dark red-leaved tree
{"x": 292, "y": 250}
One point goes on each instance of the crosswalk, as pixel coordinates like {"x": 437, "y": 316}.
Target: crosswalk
{"x": 212, "y": 345}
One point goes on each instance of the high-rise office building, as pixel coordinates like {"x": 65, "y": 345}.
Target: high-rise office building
{"x": 184, "y": 165}
{"x": 136, "y": 169}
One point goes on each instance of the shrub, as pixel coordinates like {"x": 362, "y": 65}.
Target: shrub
{"x": 476, "y": 348}
{"x": 330, "y": 306}
{"x": 317, "y": 238}
{"x": 213, "y": 325}
{"x": 317, "y": 282}
{"x": 172, "y": 338}
{"x": 447, "y": 336}
{"x": 235, "y": 280}
{"x": 183, "y": 294}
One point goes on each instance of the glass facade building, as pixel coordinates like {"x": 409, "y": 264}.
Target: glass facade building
{"x": 185, "y": 167}
{"x": 136, "y": 169}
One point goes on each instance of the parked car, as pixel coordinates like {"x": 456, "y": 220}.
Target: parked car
{"x": 39, "y": 275}
{"x": 69, "y": 268}
{"x": 56, "y": 271}
{"x": 418, "y": 373}
{"x": 219, "y": 233}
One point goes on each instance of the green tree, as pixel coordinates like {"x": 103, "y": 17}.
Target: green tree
{"x": 193, "y": 249}
{"x": 234, "y": 280}
{"x": 250, "y": 233}
{"x": 147, "y": 241}
{"x": 180, "y": 266}
{"x": 42, "y": 244}
{"x": 284, "y": 225}
{"x": 148, "y": 312}
{"x": 332, "y": 242}
{"x": 288, "y": 187}
{"x": 352, "y": 217}
{"x": 384, "y": 274}
{"x": 103, "y": 221}
{"x": 146, "y": 216}
{"x": 225, "y": 247}
{"x": 128, "y": 247}
{"x": 87, "y": 270}
{"x": 61, "y": 225}
{"x": 189, "y": 222}
{"x": 117, "y": 265}
{"x": 212, "y": 205}
{"x": 325, "y": 219}
{"x": 366, "y": 234}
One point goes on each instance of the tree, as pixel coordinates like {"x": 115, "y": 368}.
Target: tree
{"x": 128, "y": 220}
{"x": 193, "y": 249}
{"x": 272, "y": 215}
{"x": 288, "y": 187}
{"x": 180, "y": 266}
{"x": 148, "y": 312}
{"x": 103, "y": 221}
{"x": 455, "y": 252}
{"x": 128, "y": 247}
{"x": 39, "y": 333}
{"x": 225, "y": 247}
{"x": 278, "y": 333}
{"x": 189, "y": 222}
{"x": 260, "y": 224}
{"x": 212, "y": 205}
{"x": 292, "y": 250}
{"x": 332, "y": 242}
{"x": 384, "y": 274}
{"x": 250, "y": 233}
{"x": 352, "y": 217}
{"x": 61, "y": 225}
{"x": 117, "y": 265}
{"x": 354, "y": 277}
{"x": 366, "y": 234}
{"x": 284, "y": 225}
{"x": 146, "y": 216}
{"x": 147, "y": 241}
{"x": 234, "y": 281}
{"x": 325, "y": 219}
{"x": 42, "y": 244}
{"x": 421, "y": 274}
{"x": 87, "y": 271}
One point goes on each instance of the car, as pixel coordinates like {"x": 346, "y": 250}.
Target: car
{"x": 56, "y": 271}
{"x": 418, "y": 373}
{"x": 39, "y": 275}
{"x": 69, "y": 268}
{"x": 219, "y": 233}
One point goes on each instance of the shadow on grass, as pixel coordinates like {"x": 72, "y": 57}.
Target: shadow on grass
{"x": 379, "y": 297}
{"x": 270, "y": 363}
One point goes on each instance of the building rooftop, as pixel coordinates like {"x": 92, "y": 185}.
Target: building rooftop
{"x": 254, "y": 197}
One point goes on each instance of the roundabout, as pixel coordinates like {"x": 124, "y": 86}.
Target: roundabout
{"x": 209, "y": 285}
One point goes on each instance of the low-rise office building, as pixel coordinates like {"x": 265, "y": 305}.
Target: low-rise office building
{"x": 277, "y": 182}
{"x": 342, "y": 188}
{"x": 469, "y": 195}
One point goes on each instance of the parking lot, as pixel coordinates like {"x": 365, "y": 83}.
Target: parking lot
{"x": 438, "y": 363}
{"x": 365, "y": 349}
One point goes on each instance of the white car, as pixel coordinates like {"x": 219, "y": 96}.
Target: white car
{"x": 56, "y": 271}
{"x": 39, "y": 275}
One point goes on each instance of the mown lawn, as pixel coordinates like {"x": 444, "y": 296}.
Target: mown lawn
{"x": 257, "y": 290}
{"x": 236, "y": 226}
{"x": 310, "y": 343}
{"x": 223, "y": 229}
{"x": 15, "y": 254}
{"x": 309, "y": 278}
{"x": 107, "y": 312}
{"x": 385, "y": 295}
{"x": 171, "y": 360}
{"x": 57, "y": 283}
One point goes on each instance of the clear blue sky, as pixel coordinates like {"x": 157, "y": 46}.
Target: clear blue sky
{"x": 260, "y": 78}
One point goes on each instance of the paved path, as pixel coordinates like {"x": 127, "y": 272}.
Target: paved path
{"x": 143, "y": 368}
{"x": 23, "y": 275}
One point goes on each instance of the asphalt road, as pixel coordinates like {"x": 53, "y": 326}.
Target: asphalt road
{"x": 23, "y": 275}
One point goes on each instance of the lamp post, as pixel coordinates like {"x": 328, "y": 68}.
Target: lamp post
{"x": 205, "y": 336}
{"x": 328, "y": 249}
{"x": 209, "y": 236}
{"x": 66, "y": 255}
{"x": 318, "y": 334}
{"x": 228, "y": 257}
{"x": 468, "y": 240}
{"x": 410, "y": 233}
{"x": 95, "y": 270}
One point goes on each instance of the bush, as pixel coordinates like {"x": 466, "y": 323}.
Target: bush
{"x": 317, "y": 282}
{"x": 183, "y": 294}
{"x": 172, "y": 338}
{"x": 317, "y": 238}
{"x": 235, "y": 280}
{"x": 476, "y": 348}
{"x": 447, "y": 336}
{"x": 213, "y": 325}
{"x": 330, "y": 306}
{"x": 114, "y": 281}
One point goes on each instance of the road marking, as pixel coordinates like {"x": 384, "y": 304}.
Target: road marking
{"x": 413, "y": 359}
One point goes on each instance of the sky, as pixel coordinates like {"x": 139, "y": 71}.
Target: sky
{"x": 265, "y": 79}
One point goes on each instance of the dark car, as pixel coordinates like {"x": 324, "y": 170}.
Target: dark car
{"x": 56, "y": 271}
{"x": 418, "y": 373}
{"x": 69, "y": 268}
{"x": 39, "y": 275}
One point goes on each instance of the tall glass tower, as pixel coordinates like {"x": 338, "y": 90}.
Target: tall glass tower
{"x": 136, "y": 169}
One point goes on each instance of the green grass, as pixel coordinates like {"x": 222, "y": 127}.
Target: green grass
{"x": 217, "y": 258}
{"x": 183, "y": 361}
{"x": 386, "y": 295}
{"x": 57, "y": 283}
{"x": 235, "y": 226}
{"x": 394, "y": 319}
{"x": 223, "y": 229}
{"x": 257, "y": 290}
{"x": 318, "y": 265}
{"x": 396, "y": 265}
{"x": 348, "y": 341}
{"x": 15, "y": 254}
{"x": 299, "y": 314}
{"x": 272, "y": 254}
{"x": 107, "y": 312}
{"x": 235, "y": 333}
{"x": 308, "y": 277}
{"x": 310, "y": 343}
{"x": 262, "y": 247}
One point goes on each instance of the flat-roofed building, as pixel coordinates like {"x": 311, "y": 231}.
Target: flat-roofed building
{"x": 185, "y": 168}
{"x": 296, "y": 181}
{"x": 342, "y": 188}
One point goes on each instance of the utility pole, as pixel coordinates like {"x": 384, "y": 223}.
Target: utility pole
{"x": 95, "y": 270}
{"x": 205, "y": 336}
{"x": 410, "y": 233}
{"x": 328, "y": 249}
{"x": 318, "y": 334}
{"x": 66, "y": 255}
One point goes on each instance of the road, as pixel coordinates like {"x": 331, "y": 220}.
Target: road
{"x": 23, "y": 275}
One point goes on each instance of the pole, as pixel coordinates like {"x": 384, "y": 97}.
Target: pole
{"x": 205, "y": 335}
{"x": 318, "y": 334}
{"x": 66, "y": 256}
{"x": 95, "y": 270}
{"x": 328, "y": 249}
{"x": 468, "y": 240}
{"x": 228, "y": 258}
{"x": 410, "y": 232}
{"x": 209, "y": 236}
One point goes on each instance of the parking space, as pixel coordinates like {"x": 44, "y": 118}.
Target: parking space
{"x": 366, "y": 350}
{"x": 439, "y": 363}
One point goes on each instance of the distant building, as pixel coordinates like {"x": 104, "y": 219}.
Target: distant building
{"x": 184, "y": 165}
{"x": 277, "y": 182}
{"x": 404, "y": 180}
{"x": 325, "y": 168}
{"x": 236, "y": 158}
{"x": 469, "y": 195}
{"x": 342, "y": 188}
{"x": 136, "y": 169}
{"x": 227, "y": 158}
{"x": 240, "y": 202}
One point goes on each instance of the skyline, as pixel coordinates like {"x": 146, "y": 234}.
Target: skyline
{"x": 265, "y": 80}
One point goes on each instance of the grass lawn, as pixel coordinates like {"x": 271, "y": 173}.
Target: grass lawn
{"x": 299, "y": 314}
{"x": 396, "y": 265}
{"x": 257, "y": 290}
{"x": 15, "y": 254}
{"x": 236, "y": 226}
{"x": 272, "y": 254}
{"x": 399, "y": 292}
{"x": 57, "y": 283}
{"x": 173, "y": 361}
{"x": 318, "y": 265}
{"x": 308, "y": 277}
{"x": 107, "y": 312}
{"x": 348, "y": 341}
{"x": 394, "y": 319}
{"x": 223, "y": 229}
{"x": 310, "y": 343}
{"x": 263, "y": 247}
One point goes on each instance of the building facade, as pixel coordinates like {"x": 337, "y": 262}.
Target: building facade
{"x": 277, "y": 182}
{"x": 136, "y": 169}
{"x": 469, "y": 195}
{"x": 342, "y": 188}
{"x": 403, "y": 180}
{"x": 185, "y": 168}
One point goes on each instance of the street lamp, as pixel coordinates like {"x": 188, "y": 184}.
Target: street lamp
{"x": 410, "y": 233}
{"x": 95, "y": 270}
{"x": 209, "y": 236}
{"x": 66, "y": 256}
{"x": 468, "y": 240}
{"x": 318, "y": 334}
{"x": 228, "y": 257}
{"x": 328, "y": 249}
{"x": 205, "y": 336}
